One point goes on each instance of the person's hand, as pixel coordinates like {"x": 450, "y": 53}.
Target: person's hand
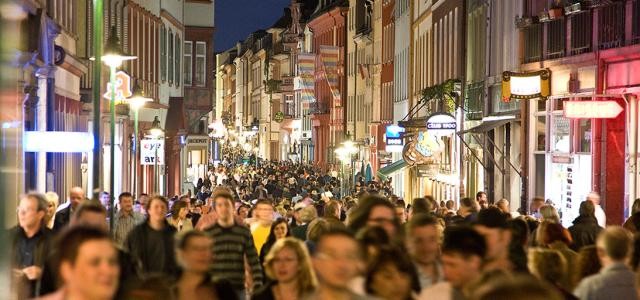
{"x": 32, "y": 272}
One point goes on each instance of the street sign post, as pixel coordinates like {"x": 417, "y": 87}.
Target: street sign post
{"x": 591, "y": 109}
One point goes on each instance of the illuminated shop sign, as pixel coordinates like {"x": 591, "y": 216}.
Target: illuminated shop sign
{"x": 591, "y": 109}
{"x": 526, "y": 85}
{"x": 394, "y": 141}
{"x": 443, "y": 123}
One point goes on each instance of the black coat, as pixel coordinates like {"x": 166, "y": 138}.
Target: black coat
{"x": 41, "y": 259}
{"x": 139, "y": 247}
{"x": 584, "y": 231}
{"x": 62, "y": 218}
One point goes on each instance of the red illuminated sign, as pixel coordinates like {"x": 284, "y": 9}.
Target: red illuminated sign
{"x": 591, "y": 109}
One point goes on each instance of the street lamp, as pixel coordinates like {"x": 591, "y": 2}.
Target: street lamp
{"x": 255, "y": 127}
{"x": 345, "y": 153}
{"x": 113, "y": 57}
{"x": 136, "y": 101}
{"x": 156, "y": 133}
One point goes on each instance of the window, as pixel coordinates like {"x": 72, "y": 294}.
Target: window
{"x": 188, "y": 61}
{"x": 177, "y": 60}
{"x": 584, "y": 135}
{"x": 163, "y": 54}
{"x": 170, "y": 61}
{"x": 201, "y": 64}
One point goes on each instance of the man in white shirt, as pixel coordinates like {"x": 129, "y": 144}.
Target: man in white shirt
{"x": 600, "y": 215}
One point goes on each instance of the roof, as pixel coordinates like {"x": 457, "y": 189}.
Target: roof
{"x": 284, "y": 21}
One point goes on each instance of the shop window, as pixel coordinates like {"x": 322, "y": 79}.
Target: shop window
{"x": 561, "y": 130}
{"x": 541, "y": 133}
{"x": 542, "y": 105}
{"x": 584, "y": 135}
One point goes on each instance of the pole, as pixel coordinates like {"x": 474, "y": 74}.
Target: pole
{"x": 97, "y": 71}
{"x": 155, "y": 170}
{"x": 135, "y": 153}
{"x": 112, "y": 140}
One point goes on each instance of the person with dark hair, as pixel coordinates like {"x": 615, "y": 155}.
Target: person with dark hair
{"x": 517, "y": 287}
{"x": 260, "y": 224}
{"x": 423, "y": 244}
{"x": 588, "y": 263}
{"x": 232, "y": 243}
{"x": 336, "y": 262}
{"x": 126, "y": 219}
{"x": 633, "y": 222}
{"x": 463, "y": 252}
{"x": 420, "y": 206}
{"x": 468, "y": 210}
{"x": 151, "y": 243}
{"x": 178, "y": 218}
{"x": 30, "y": 245}
{"x": 374, "y": 210}
{"x": 517, "y": 247}
{"x": 194, "y": 255}
{"x": 332, "y": 212}
{"x": 534, "y": 208}
{"x": 87, "y": 265}
{"x": 585, "y": 227}
{"x": 401, "y": 211}
{"x": 481, "y": 199}
{"x": 615, "y": 280}
{"x": 550, "y": 266}
{"x": 554, "y": 236}
{"x": 392, "y": 275}
{"x": 90, "y": 213}
{"x": 279, "y": 230}
{"x": 493, "y": 225}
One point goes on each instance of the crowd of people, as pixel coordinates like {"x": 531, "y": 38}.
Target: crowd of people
{"x": 284, "y": 231}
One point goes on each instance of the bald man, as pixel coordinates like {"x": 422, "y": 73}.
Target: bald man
{"x": 76, "y": 196}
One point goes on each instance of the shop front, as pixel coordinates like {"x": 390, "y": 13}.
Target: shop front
{"x": 196, "y": 162}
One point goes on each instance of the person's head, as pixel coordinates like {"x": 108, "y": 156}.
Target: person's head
{"x": 194, "y": 251}
{"x": 463, "y": 252}
{"x": 243, "y": 211}
{"x": 53, "y": 201}
{"x": 90, "y": 213}
{"x": 548, "y": 265}
{"x": 144, "y": 198}
{"x": 317, "y": 228}
{"x": 536, "y": 203}
{"x": 587, "y": 209}
{"x": 263, "y": 210}
{"x": 223, "y": 204}
{"x": 392, "y": 275}
{"x": 493, "y": 225}
{"x": 549, "y": 233}
{"x": 126, "y": 202}
{"x": 613, "y": 244}
{"x": 76, "y": 196}
{"x": 468, "y": 206}
{"x": 594, "y": 197}
{"x": 88, "y": 263}
{"x": 157, "y": 207}
{"x": 289, "y": 261}
{"x": 503, "y": 205}
{"x": 587, "y": 263}
{"x": 423, "y": 238}
{"x": 374, "y": 210}
{"x": 179, "y": 210}
{"x": 401, "y": 212}
{"x": 333, "y": 208}
{"x": 549, "y": 213}
{"x": 450, "y": 205}
{"x": 421, "y": 206}
{"x": 279, "y": 230}
{"x": 32, "y": 210}
{"x": 635, "y": 208}
{"x": 481, "y": 198}
{"x": 337, "y": 259}
{"x": 307, "y": 214}
{"x": 519, "y": 287}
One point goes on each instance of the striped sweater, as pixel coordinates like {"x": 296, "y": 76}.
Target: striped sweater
{"x": 230, "y": 246}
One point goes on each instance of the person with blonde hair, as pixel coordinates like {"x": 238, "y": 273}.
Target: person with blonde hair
{"x": 550, "y": 266}
{"x": 288, "y": 265}
{"x": 53, "y": 200}
{"x": 549, "y": 213}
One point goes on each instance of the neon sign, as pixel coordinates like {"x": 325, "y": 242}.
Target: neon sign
{"x": 592, "y": 109}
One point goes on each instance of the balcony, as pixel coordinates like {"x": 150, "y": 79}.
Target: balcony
{"x": 635, "y": 22}
{"x": 611, "y": 26}
{"x": 473, "y": 101}
{"x": 533, "y": 43}
{"x": 318, "y": 108}
{"x": 581, "y": 24}
{"x": 290, "y": 111}
{"x": 556, "y": 34}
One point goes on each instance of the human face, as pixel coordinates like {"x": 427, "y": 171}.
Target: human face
{"x": 243, "y": 212}
{"x": 224, "y": 209}
{"x": 424, "y": 244}
{"x": 401, "y": 215}
{"x": 497, "y": 241}
{"x": 94, "y": 274}
{"x": 157, "y": 210}
{"x": 285, "y": 265}
{"x": 264, "y": 212}
{"x": 126, "y": 204}
{"x": 389, "y": 283}
{"x": 337, "y": 261}
{"x": 280, "y": 231}
{"x": 51, "y": 209}
{"x": 28, "y": 214}
{"x": 75, "y": 197}
{"x": 459, "y": 270}
{"x": 196, "y": 255}
{"x": 384, "y": 217}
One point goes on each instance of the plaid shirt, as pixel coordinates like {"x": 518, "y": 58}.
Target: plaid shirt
{"x": 124, "y": 224}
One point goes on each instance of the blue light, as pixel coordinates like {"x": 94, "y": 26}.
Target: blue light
{"x": 57, "y": 141}
{"x": 394, "y": 131}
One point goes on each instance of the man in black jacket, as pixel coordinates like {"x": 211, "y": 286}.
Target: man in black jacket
{"x": 76, "y": 196}
{"x": 31, "y": 243}
{"x": 585, "y": 227}
{"x": 150, "y": 244}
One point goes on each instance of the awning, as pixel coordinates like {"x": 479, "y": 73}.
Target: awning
{"x": 394, "y": 167}
{"x": 488, "y": 125}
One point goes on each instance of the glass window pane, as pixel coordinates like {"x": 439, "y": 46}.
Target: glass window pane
{"x": 200, "y": 71}
{"x": 542, "y": 105}
{"x": 541, "y": 125}
{"x": 561, "y": 140}
{"x": 558, "y": 104}
{"x": 584, "y": 135}
{"x": 187, "y": 48}
{"x": 201, "y": 48}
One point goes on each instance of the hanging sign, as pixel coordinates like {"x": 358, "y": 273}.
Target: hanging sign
{"x": 148, "y": 154}
{"x": 123, "y": 87}
{"x": 591, "y": 109}
{"x": 441, "y": 124}
{"x": 393, "y": 136}
{"x": 526, "y": 85}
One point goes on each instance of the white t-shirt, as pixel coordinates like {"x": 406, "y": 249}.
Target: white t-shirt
{"x": 601, "y": 216}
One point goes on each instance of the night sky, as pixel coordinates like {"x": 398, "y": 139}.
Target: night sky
{"x": 236, "y": 19}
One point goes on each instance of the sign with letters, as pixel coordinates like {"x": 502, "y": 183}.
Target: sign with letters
{"x": 442, "y": 124}
{"x": 148, "y": 152}
{"x": 394, "y": 141}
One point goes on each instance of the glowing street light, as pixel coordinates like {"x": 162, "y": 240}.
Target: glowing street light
{"x": 136, "y": 102}
{"x": 156, "y": 132}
